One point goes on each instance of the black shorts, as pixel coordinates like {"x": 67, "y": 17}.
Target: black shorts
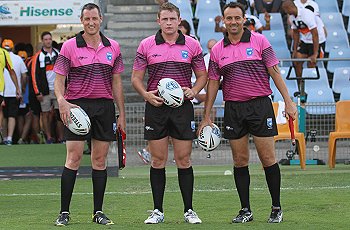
{"x": 34, "y": 105}
{"x": 11, "y": 107}
{"x": 102, "y": 116}
{"x": 165, "y": 121}
{"x": 308, "y": 49}
{"x": 255, "y": 117}
{"x": 23, "y": 111}
{"x": 1, "y": 99}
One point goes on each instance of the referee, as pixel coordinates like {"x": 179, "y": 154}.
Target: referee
{"x": 91, "y": 64}
{"x": 169, "y": 54}
{"x": 246, "y": 61}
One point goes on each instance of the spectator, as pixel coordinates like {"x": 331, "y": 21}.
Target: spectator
{"x": 270, "y": 6}
{"x": 185, "y": 28}
{"x": 11, "y": 99}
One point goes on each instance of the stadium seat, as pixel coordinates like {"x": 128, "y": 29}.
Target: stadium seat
{"x": 346, "y": 8}
{"x": 207, "y": 34}
{"x": 333, "y": 20}
{"x": 276, "y": 22}
{"x": 207, "y": 8}
{"x": 284, "y": 134}
{"x": 341, "y": 79}
{"x": 275, "y": 38}
{"x": 342, "y": 130}
{"x": 338, "y": 53}
{"x": 328, "y": 6}
{"x": 320, "y": 101}
{"x": 320, "y": 83}
{"x": 282, "y": 52}
{"x": 345, "y": 94}
{"x": 292, "y": 85}
{"x": 184, "y": 6}
{"x": 336, "y": 38}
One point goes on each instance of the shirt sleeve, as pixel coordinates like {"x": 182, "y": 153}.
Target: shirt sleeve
{"x": 118, "y": 66}
{"x": 213, "y": 69}
{"x": 8, "y": 64}
{"x": 63, "y": 63}
{"x": 197, "y": 62}
{"x": 140, "y": 62}
{"x": 268, "y": 55}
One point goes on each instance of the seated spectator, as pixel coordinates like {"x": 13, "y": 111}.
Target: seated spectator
{"x": 270, "y": 6}
{"x": 185, "y": 28}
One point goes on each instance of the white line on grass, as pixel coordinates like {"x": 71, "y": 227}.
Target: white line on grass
{"x": 148, "y": 192}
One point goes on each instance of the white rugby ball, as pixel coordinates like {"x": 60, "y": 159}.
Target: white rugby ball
{"x": 80, "y": 122}
{"x": 171, "y": 92}
{"x": 209, "y": 138}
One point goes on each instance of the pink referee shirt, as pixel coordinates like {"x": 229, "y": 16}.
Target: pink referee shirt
{"x": 89, "y": 71}
{"x": 165, "y": 60}
{"x": 243, "y": 66}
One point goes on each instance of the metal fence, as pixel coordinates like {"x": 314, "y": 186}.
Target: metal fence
{"x": 317, "y": 130}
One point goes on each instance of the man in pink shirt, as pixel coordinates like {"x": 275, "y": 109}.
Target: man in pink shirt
{"x": 246, "y": 60}
{"x": 169, "y": 54}
{"x": 91, "y": 65}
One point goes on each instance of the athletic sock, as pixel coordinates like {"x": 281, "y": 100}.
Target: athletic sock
{"x": 242, "y": 180}
{"x": 99, "y": 181}
{"x": 273, "y": 179}
{"x": 157, "y": 178}
{"x": 186, "y": 180}
{"x": 67, "y": 185}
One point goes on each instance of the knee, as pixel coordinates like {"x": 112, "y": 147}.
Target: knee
{"x": 73, "y": 162}
{"x": 158, "y": 162}
{"x": 241, "y": 161}
{"x": 268, "y": 160}
{"x": 98, "y": 162}
{"x": 183, "y": 161}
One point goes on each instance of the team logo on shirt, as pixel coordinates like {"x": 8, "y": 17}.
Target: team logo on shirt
{"x": 193, "y": 126}
{"x": 109, "y": 56}
{"x": 269, "y": 123}
{"x": 184, "y": 54}
{"x": 249, "y": 51}
{"x": 115, "y": 128}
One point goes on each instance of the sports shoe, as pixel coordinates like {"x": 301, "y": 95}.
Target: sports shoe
{"x": 276, "y": 215}
{"x": 20, "y": 141}
{"x": 8, "y": 143}
{"x": 155, "y": 217}
{"x": 100, "y": 218}
{"x": 144, "y": 155}
{"x": 243, "y": 216}
{"x": 192, "y": 217}
{"x": 62, "y": 219}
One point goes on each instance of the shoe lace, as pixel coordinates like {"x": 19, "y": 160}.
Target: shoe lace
{"x": 99, "y": 215}
{"x": 274, "y": 213}
{"x": 63, "y": 216}
{"x": 191, "y": 214}
{"x": 153, "y": 213}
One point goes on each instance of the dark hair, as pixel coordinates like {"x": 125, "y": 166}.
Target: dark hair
{"x": 29, "y": 49}
{"x": 90, "y": 6}
{"x": 170, "y": 7}
{"x": 186, "y": 25}
{"x": 43, "y": 34}
{"x": 234, "y": 5}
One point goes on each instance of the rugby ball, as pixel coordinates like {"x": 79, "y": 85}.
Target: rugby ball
{"x": 209, "y": 138}
{"x": 171, "y": 92}
{"x": 80, "y": 122}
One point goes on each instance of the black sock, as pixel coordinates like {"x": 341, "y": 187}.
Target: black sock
{"x": 67, "y": 185}
{"x": 157, "y": 178}
{"x": 99, "y": 180}
{"x": 242, "y": 180}
{"x": 273, "y": 179}
{"x": 186, "y": 180}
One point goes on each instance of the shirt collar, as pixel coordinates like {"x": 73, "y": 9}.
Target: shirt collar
{"x": 160, "y": 40}
{"x": 81, "y": 42}
{"x": 245, "y": 37}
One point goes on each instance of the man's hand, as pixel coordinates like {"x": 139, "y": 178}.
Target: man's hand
{"x": 151, "y": 97}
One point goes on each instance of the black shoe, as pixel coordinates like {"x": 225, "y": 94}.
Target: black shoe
{"x": 62, "y": 219}
{"x": 244, "y": 215}
{"x": 101, "y": 218}
{"x": 276, "y": 215}
{"x": 87, "y": 152}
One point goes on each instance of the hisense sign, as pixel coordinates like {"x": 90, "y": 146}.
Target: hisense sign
{"x": 40, "y": 12}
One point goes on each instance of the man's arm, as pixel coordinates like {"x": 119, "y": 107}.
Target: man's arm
{"x": 64, "y": 106}
{"x": 14, "y": 79}
{"x": 316, "y": 44}
{"x": 201, "y": 81}
{"x": 118, "y": 95}
{"x": 291, "y": 109}
{"x": 137, "y": 83}
{"x": 296, "y": 40}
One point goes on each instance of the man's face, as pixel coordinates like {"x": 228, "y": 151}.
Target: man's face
{"x": 91, "y": 21}
{"x": 47, "y": 41}
{"x": 234, "y": 20}
{"x": 169, "y": 22}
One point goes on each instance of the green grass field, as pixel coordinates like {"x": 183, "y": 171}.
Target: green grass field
{"x": 317, "y": 198}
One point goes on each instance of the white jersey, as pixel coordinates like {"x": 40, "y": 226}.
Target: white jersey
{"x": 47, "y": 60}
{"x": 310, "y": 4}
{"x": 305, "y": 21}
{"x": 20, "y": 68}
{"x": 257, "y": 22}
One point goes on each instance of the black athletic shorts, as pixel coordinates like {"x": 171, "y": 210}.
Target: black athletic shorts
{"x": 34, "y": 105}
{"x": 102, "y": 116}
{"x": 23, "y": 111}
{"x": 1, "y": 99}
{"x": 165, "y": 121}
{"x": 308, "y": 49}
{"x": 255, "y": 117}
{"x": 11, "y": 107}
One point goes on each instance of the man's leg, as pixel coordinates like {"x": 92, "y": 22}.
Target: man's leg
{"x": 266, "y": 150}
